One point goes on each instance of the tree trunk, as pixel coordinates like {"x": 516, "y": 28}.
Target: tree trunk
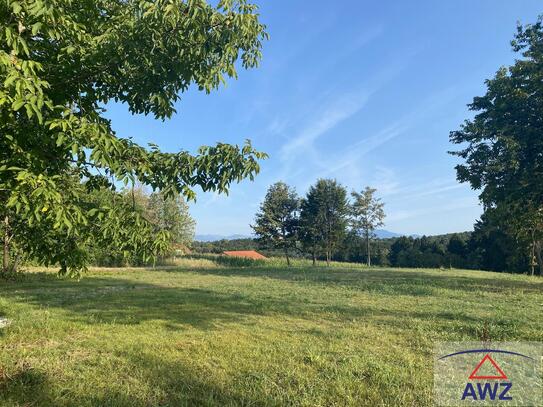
{"x": 532, "y": 253}
{"x": 539, "y": 257}
{"x": 286, "y": 256}
{"x": 328, "y": 255}
{"x": 15, "y": 264}
{"x": 314, "y": 257}
{"x": 368, "y": 248}
{"x": 5, "y": 259}
{"x": 532, "y": 258}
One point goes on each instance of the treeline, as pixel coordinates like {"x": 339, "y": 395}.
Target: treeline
{"x": 219, "y": 246}
{"x": 486, "y": 248}
{"x": 129, "y": 227}
{"x": 329, "y": 224}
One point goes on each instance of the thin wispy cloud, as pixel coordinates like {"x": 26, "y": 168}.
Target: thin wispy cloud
{"x": 414, "y": 187}
{"x": 354, "y": 154}
{"x": 340, "y": 110}
{"x": 425, "y": 211}
{"x": 337, "y": 107}
{"x": 366, "y": 98}
{"x": 385, "y": 179}
{"x": 435, "y": 191}
{"x": 349, "y": 162}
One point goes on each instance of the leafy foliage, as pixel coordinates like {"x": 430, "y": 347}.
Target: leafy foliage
{"x": 503, "y": 143}
{"x": 61, "y": 62}
{"x": 276, "y": 224}
{"x": 172, "y": 215}
{"x": 323, "y": 216}
{"x": 165, "y": 219}
{"x": 366, "y": 214}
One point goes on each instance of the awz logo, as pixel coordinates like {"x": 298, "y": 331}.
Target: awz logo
{"x": 490, "y": 390}
{"x": 487, "y": 386}
{"x": 487, "y": 389}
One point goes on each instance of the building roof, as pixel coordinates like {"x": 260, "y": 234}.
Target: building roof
{"x": 249, "y": 254}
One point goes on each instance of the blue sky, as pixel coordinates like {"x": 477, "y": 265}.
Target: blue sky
{"x": 365, "y": 92}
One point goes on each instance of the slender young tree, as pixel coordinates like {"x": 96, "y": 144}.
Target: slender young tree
{"x": 325, "y": 217}
{"x": 309, "y": 232}
{"x": 171, "y": 214}
{"x": 366, "y": 214}
{"x": 277, "y": 222}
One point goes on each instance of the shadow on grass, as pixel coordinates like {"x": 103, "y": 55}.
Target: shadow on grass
{"x": 172, "y": 383}
{"x": 27, "y": 385}
{"x": 110, "y": 299}
{"x": 97, "y": 299}
{"x": 392, "y": 281}
{"x": 178, "y": 384}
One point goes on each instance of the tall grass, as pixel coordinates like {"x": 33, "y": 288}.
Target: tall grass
{"x": 228, "y": 261}
{"x": 271, "y": 262}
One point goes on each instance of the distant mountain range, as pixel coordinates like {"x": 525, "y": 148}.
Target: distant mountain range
{"x": 214, "y": 238}
{"x": 385, "y": 234}
{"x": 381, "y": 234}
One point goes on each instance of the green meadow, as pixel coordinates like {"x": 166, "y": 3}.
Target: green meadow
{"x": 204, "y": 332}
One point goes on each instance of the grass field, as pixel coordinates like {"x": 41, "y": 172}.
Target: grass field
{"x": 204, "y": 333}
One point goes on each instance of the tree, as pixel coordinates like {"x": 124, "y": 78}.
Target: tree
{"x": 61, "y": 62}
{"x": 366, "y": 214}
{"x": 400, "y": 246}
{"x": 457, "y": 251}
{"x": 323, "y": 217}
{"x": 277, "y": 222}
{"x": 309, "y": 232}
{"x": 172, "y": 214}
{"x": 503, "y": 143}
{"x": 456, "y": 245}
{"x": 494, "y": 247}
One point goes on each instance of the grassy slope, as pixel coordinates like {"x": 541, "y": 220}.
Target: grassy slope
{"x": 203, "y": 334}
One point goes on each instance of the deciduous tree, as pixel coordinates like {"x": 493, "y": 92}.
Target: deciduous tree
{"x": 61, "y": 63}
{"x": 503, "y": 143}
{"x": 277, "y": 222}
{"x": 324, "y": 216}
{"x": 366, "y": 214}
{"x": 309, "y": 232}
{"x": 171, "y": 213}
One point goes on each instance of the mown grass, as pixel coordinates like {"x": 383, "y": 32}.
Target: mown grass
{"x": 202, "y": 333}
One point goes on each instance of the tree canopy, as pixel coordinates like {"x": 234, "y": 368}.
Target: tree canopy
{"x": 366, "y": 214}
{"x": 276, "y": 224}
{"x": 61, "y": 63}
{"x": 324, "y": 215}
{"x": 503, "y": 143}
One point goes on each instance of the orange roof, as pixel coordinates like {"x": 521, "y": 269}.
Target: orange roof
{"x": 250, "y": 254}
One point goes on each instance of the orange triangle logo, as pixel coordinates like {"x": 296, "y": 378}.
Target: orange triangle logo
{"x": 500, "y": 375}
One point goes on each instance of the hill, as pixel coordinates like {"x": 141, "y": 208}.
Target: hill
{"x": 215, "y": 238}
